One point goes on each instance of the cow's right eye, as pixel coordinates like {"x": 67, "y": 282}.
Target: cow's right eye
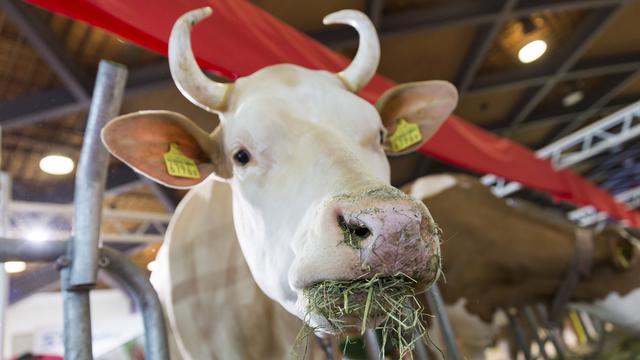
{"x": 242, "y": 157}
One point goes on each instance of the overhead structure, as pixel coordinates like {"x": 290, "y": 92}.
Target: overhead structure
{"x": 223, "y": 45}
{"x": 613, "y": 130}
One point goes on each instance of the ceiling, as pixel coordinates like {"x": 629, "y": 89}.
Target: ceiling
{"x": 48, "y": 63}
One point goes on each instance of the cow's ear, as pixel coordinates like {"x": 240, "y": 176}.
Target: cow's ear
{"x": 166, "y": 147}
{"x": 413, "y": 112}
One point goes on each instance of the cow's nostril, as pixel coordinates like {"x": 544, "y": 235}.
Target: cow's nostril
{"x": 359, "y": 230}
{"x": 353, "y": 233}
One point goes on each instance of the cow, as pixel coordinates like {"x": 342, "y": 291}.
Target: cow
{"x": 502, "y": 253}
{"x": 305, "y": 160}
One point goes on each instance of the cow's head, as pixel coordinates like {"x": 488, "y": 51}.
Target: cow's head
{"x": 305, "y": 157}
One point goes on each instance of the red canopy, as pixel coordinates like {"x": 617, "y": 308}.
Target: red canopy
{"x": 240, "y": 38}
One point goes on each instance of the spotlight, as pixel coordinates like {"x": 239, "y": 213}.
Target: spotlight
{"x": 572, "y": 98}
{"x": 532, "y": 51}
{"x": 56, "y": 164}
{"x": 13, "y": 267}
{"x": 37, "y": 234}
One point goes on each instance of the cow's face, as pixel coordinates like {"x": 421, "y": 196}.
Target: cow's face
{"x": 306, "y": 160}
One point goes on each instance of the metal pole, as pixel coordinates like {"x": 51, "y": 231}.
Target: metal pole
{"x": 91, "y": 175}
{"x": 521, "y": 339}
{"x": 372, "y": 345}
{"x": 553, "y": 332}
{"x": 434, "y": 298}
{"x": 77, "y": 320}
{"x": 5, "y": 197}
{"x": 532, "y": 323}
{"x": 117, "y": 265}
{"x": 81, "y": 274}
{"x": 155, "y": 331}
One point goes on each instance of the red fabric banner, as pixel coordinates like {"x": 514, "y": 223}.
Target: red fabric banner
{"x": 240, "y": 38}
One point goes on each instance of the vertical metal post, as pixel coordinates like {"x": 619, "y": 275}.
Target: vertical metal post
{"x": 77, "y": 321}
{"x": 5, "y": 197}
{"x": 518, "y": 332}
{"x": 434, "y": 298}
{"x": 372, "y": 345}
{"x": 91, "y": 174}
{"x": 532, "y": 323}
{"x": 554, "y": 334}
{"x": 420, "y": 352}
{"x": 80, "y": 275}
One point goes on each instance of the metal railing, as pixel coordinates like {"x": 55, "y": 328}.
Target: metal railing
{"x": 82, "y": 256}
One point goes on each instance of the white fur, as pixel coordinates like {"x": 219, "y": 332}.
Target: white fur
{"x": 623, "y": 311}
{"x": 432, "y": 185}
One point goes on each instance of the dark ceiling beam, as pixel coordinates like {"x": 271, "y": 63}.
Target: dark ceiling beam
{"x": 484, "y": 38}
{"x": 616, "y": 84}
{"x": 453, "y": 14}
{"x": 373, "y": 9}
{"x": 48, "y": 104}
{"x": 565, "y": 58}
{"x": 566, "y": 116}
{"x": 29, "y": 109}
{"x": 537, "y": 76}
{"x": 61, "y": 192}
{"x": 595, "y": 102}
{"x": 611, "y": 161}
{"x": 44, "y": 41}
{"x": 621, "y": 177}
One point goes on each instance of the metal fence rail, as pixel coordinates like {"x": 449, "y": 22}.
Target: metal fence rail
{"x": 81, "y": 257}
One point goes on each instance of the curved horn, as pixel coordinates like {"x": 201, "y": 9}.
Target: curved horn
{"x": 189, "y": 79}
{"x": 364, "y": 65}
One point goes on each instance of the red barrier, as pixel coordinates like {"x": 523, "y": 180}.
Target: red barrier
{"x": 240, "y": 38}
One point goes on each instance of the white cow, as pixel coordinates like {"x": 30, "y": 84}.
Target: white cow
{"x": 305, "y": 159}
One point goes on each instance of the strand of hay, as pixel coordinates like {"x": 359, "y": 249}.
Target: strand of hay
{"x": 370, "y": 300}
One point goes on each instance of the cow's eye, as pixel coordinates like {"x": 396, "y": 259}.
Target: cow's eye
{"x": 242, "y": 157}
{"x": 381, "y": 136}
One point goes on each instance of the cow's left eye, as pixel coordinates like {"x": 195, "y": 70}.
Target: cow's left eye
{"x": 242, "y": 157}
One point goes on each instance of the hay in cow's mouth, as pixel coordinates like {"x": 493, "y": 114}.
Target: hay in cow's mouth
{"x": 389, "y": 303}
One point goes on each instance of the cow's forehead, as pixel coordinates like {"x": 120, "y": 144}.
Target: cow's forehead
{"x": 289, "y": 92}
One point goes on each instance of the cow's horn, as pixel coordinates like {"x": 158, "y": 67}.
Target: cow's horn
{"x": 189, "y": 79}
{"x": 364, "y": 65}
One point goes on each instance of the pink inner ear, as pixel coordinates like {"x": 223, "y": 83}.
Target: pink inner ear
{"x": 142, "y": 140}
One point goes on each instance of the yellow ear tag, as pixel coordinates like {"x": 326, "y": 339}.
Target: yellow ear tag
{"x": 179, "y": 165}
{"x": 406, "y": 134}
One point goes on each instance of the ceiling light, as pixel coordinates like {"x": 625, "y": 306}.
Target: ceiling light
{"x": 532, "y": 51}
{"x": 152, "y": 266}
{"x": 56, "y": 164}
{"x": 572, "y": 98}
{"x": 37, "y": 234}
{"x": 13, "y": 267}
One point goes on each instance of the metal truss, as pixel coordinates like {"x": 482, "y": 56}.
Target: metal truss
{"x": 611, "y": 131}
{"x": 43, "y": 221}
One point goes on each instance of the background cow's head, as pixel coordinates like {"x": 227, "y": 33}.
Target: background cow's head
{"x": 305, "y": 157}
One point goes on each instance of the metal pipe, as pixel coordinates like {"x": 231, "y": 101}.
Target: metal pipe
{"x": 91, "y": 175}
{"x": 434, "y": 298}
{"x": 518, "y": 332}
{"x": 30, "y": 251}
{"x": 532, "y": 323}
{"x": 155, "y": 331}
{"x": 77, "y": 320}
{"x": 5, "y": 197}
{"x": 554, "y": 334}
{"x": 372, "y": 345}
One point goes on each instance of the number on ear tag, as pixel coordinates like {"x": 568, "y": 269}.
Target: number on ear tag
{"x": 179, "y": 165}
{"x": 406, "y": 134}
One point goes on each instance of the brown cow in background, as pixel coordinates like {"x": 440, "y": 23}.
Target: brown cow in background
{"x": 501, "y": 253}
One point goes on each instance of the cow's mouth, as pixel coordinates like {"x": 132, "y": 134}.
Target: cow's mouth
{"x": 350, "y": 306}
